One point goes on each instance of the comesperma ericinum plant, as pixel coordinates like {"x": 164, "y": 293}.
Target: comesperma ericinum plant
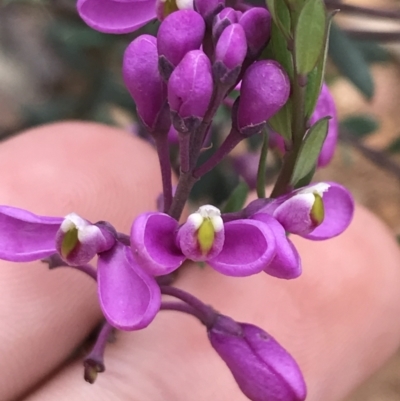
{"x": 275, "y": 57}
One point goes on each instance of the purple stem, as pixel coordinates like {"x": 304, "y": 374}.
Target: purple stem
{"x": 205, "y": 313}
{"x": 94, "y": 362}
{"x": 87, "y": 269}
{"x": 162, "y": 146}
{"x": 184, "y": 151}
{"x": 182, "y": 307}
{"x": 230, "y": 142}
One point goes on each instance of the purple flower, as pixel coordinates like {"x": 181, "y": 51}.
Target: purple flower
{"x": 208, "y": 9}
{"x": 262, "y": 368}
{"x": 129, "y": 297}
{"x": 237, "y": 248}
{"x": 256, "y": 23}
{"x": 144, "y": 82}
{"x": 179, "y": 33}
{"x": 264, "y": 90}
{"x": 222, "y": 20}
{"x": 230, "y": 53}
{"x": 113, "y": 16}
{"x": 318, "y": 211}
{"x": 190, "y": 88}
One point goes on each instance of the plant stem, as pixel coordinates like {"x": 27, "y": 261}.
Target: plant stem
{"x": 182, "y": 307}
{"x": 230, "y": 142}
{"x": 262, "y": 166}
{"x": 162, "y": 146}
{"x": 205, "y": 313}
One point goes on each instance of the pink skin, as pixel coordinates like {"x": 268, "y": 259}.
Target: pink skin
{"x": 339, "y": 319}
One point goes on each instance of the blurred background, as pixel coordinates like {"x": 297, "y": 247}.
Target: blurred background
{"x": 53, "y": 67}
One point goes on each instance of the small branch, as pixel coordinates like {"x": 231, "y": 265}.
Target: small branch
{"x": 262, "y": 166}
{"x": 162, "y": 146}
{"x": 377, "y": 36}
{"x": 366, "y": 11}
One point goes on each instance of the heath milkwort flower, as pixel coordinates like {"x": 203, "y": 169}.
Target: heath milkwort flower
{"x": 129, "y": 297}
{"x": 318, "y": 211}
{"x": 238, "y": 248}
{"x": 262, "y": 368}
{"x": 222, "y": 20}
{"x": 179, "y": 33}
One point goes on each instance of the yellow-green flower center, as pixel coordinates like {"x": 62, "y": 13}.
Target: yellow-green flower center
{"x": 170, "y": 6}
{"x": 317, "y": 211}
{"x": 206, "y": 235}
{"x": 69, "y": 242}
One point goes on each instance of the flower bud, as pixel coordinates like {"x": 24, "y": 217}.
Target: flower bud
{"x": 264, "y": 90}
{"x": 230, "y": 53}
{"x": 225, "y": 18}
{"x": 202, "y": 236}
{"x": 78, "y": 241}
{"x": 144, "y": 82}
{"x": 208, "y": 9}
{"x": 179, "y": 33}
{"x": 190, "y": 88}
{"x": 256, "y": 23}
{"x": 262, "y": 368}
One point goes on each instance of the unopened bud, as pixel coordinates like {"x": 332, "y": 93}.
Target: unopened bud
{"x": 262, "y": 368}
{"x": 230, "y": 53}
{"x": 190, "y": 88}
{"x": 179, "y": 33}
{"x": 223, "y": 19}
{"x": 208, "y": 9}
{"x": 144, "y": 82}
{"x": 264, "y": 90}
{"x": 256, "y": 23}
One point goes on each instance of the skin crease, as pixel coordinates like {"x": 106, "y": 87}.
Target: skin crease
{"x": 340, "y": 319}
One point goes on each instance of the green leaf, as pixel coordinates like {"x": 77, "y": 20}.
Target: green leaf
{"x": 372, "y": 51}
{"x": 360, "y": 125}
{"x": 310, "y": 150}
{"x": 280, "y": 15}
{"x": 350, "y": 61}
{"x": 309, "y": 35}
{"x": 394, "y": 147}
{"x": 277, "y": 50}
{"x": 281, "y": 122}
{"x": 237, "y": 198}
{"x": 315, "y": 78}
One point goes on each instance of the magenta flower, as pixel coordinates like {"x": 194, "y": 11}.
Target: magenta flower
{"x": 113, "y": 16}
{"x": 262, "y": 368}
{"x": 318, "y": 211}
{"x": 129, "y": 297}
{"x": 236, "y": 248}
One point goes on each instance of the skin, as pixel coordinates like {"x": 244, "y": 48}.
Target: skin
{"x": 340, "y": 319}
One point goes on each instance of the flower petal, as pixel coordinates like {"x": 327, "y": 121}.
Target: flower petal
{"x": 339, "y": 210}
{"x": 116, "y": 16}
{"x": 24, "y": 236}
{"x": 286, "y": 262}
{"x": 129, "y": 297}
{"x": 153, "y": 243}
{"x": 248, "y": 248}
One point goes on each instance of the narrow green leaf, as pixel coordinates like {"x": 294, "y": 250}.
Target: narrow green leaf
{"x": 310, "y": 150}
{"x": 360, "y": 125}
{"x": 394, "y": 147}
{"x": 277, "y": 50}
{"x": 372, "y": 51}
{"x": 309, "y": 35}
{"x": 315, "y": 78}
{"x": 281, "y": 122}
{"x": 237, "y": 198}
{"x": 350, "y": 61}
{"x": 280, "y": 15}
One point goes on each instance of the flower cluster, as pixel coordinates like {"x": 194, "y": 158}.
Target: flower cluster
{"x": 178, "y": 79}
